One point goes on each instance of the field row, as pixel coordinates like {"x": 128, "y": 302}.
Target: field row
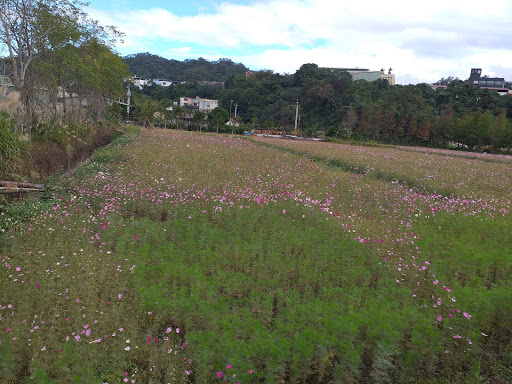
{"x": 205, "y": 258}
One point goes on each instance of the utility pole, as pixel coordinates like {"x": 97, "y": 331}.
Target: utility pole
{"x": 129, "y": 94}
{"x": 236, "y": 106}
{"x": 230, "y": 106}
{"x": 296, "y": 116}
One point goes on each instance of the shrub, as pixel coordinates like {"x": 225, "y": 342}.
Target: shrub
{"x": 11, "y": 148}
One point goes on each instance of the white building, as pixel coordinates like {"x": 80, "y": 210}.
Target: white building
{"x": 164, "y": 83}
{"x": 141, "y": 82}
{"x": 205, "y": 105}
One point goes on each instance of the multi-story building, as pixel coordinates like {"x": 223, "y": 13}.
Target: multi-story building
{"x": 141, "y": 82}
{"x": 366, "y": 74}
{"x": 196, "y": 103}
{"x": 476, "y": 78}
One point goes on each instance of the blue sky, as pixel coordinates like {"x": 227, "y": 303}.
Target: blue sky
{"x": 421, "y": 41}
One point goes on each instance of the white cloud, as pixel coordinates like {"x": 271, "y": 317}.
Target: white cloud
{"x": 422, "y": 41}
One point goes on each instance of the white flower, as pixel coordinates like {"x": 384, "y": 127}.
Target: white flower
{"x": 127, "y": 348}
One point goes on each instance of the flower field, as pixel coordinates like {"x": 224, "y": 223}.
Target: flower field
{"x": 177, "y": 257}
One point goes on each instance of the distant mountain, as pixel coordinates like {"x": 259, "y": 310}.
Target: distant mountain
{"x": 155, "y": 67}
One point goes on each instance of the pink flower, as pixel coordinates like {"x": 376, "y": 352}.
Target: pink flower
{"x": 119, "y": 296}
{"x": 250, "y": 371}
{"x": 467, "y": 315}
{"x": 135, "y": 237}
{"x": 228, "y": 366}
{"x": 284, "y": 211}
{"x": 168, "y": 330}
{"x": 439, "y": 318}
{"x": 37, "y": 285}
{"x": 219, "y": 374}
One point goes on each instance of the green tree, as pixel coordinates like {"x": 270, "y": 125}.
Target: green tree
{"x": 51, "y": 31}
{"x": 147, "y": 108}
{"x": 198, "y": 119}
{"x": 444, "y": 127}
{"x": 377, "y": 123}
{"x": 269, "y": 124}
{"x": 218, "y": 116}
{"x": 365, "y": 121}
{"x": 349, "y": 122}
{"x": 178, "y": 113}
{"x": 499, "y": 130}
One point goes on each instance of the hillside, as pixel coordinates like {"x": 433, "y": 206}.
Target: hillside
{"x": 155, "y": 67}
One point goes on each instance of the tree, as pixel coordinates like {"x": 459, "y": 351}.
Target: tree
{"x": 424, "y": 130}
{"x": 198, "y": 118}
{"x": 350, "y": 122}
{"x": 254, "y": 123}
{"x": 178, "y": 113}
{"x": 377, "y": 123}
{"x": 148, "y": 108}
{"x": 412, "y": 127}
{"x": 218, "y": 116}
{"x": 447, "y": 81}
{"x": 269, "y": 124}
{"x": 365, "y": 121}
{"x": 49, "y": 33}
{"x": 389, "y": 125}
{"x": 444, "y": 128}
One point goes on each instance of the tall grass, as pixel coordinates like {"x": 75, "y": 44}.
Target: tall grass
{"x": 12, "y": 150}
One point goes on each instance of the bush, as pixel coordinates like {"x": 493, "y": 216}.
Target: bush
{"x": 11, "y": 148}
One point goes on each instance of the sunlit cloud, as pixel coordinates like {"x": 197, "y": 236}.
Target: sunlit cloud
{"x": 422, "y": 41}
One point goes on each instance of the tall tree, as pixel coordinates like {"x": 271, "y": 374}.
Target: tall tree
{"x": 50, "y": 32}
{"x": 218, "y": 116}
{"x": 365, "y": 121}
{"x": 389, "y": 125}
{"x": 377, "y": 123}
{"x": 443, "y": 129}
{"x": 424, "y": 130}
{"x": 412, "y": 126}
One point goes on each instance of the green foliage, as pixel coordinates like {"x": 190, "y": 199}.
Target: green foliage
{"x": 52, "y": 132}
{"x": 219, "y": 116}
{"x": 329, "y": 99}
{"x": 155, "y": 67}
{"x": 12, "y": 150}
{"x": 284, "y": 287}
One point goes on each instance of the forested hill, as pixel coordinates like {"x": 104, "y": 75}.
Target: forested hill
{"x": 156, "y": 67}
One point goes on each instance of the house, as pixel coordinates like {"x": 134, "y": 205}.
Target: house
{"x": 192, "y": 104}
{"x": 476, "y": 78}
{"x": 366, "y": 74}
{"x": 219, "y": 84}
{"x": 141, "y": 82}
{"x": 163, "y": 82}
{"x": 494, "y": 83}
